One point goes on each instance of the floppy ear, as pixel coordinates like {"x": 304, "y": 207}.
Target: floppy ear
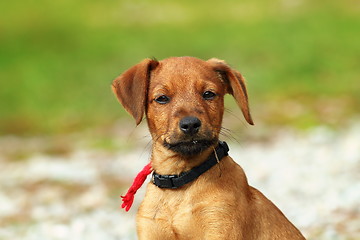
{"x": 131, "y": 88}
{"x": 235, "y": 84}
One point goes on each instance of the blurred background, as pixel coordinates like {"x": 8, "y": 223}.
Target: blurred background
{"x": 68, "y": 149}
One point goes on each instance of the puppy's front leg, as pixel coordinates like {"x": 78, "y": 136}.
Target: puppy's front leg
{"x": 151, "y": 229}
{"x": 152, "y": 223}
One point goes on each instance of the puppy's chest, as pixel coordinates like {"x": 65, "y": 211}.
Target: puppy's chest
{"x": 173, "y": 210}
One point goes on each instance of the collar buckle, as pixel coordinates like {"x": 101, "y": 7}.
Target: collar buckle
{"x": 164, "y": 181}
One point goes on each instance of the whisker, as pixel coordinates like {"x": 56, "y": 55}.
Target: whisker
{"x": 243, "y": 122}
{"x": 229, "y": 134}
{"x": 231, "y": 138}
{"x": 148, "y": 146}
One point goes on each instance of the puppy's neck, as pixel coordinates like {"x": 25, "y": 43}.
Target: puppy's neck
{"x": 167, "y": 162}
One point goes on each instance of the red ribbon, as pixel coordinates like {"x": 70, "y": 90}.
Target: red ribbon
{"x": 128, "y": 199}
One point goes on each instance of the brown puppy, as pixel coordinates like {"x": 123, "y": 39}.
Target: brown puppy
{"x": 183, "y": 99}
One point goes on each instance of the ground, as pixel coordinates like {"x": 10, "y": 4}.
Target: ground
{"x": 312, "y": 176}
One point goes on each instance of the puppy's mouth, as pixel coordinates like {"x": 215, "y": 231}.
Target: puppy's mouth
{"x": 190, "y": 148}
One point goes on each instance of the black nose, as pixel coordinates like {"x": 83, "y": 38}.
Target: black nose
{"x": 190, "y": 125}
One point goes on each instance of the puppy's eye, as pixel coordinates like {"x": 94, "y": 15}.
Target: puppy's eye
{"x": 208, "y": 95}
{"x": 163, "y": 99}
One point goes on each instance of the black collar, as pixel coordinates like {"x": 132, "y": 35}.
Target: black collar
{"x": 176, "y": 181}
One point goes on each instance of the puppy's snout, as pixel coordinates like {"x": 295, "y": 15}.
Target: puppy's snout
{"x": 190, "y": 125}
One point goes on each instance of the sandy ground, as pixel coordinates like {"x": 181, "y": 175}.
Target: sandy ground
{"x": 313, "y": 177}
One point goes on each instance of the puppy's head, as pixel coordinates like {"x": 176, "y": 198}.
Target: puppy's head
{"x": 183, "y": 99}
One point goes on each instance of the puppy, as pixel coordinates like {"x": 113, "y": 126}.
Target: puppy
{"x": 197, "y": 191}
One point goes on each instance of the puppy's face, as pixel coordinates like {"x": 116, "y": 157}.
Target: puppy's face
{"x": 183, "y": 99}
{"x": 185, "y": 105}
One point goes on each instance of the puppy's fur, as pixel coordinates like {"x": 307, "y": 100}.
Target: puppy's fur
{"x": 219, "y": 204}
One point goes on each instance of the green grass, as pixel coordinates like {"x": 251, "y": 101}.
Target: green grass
{"x": 58, "y": 58}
